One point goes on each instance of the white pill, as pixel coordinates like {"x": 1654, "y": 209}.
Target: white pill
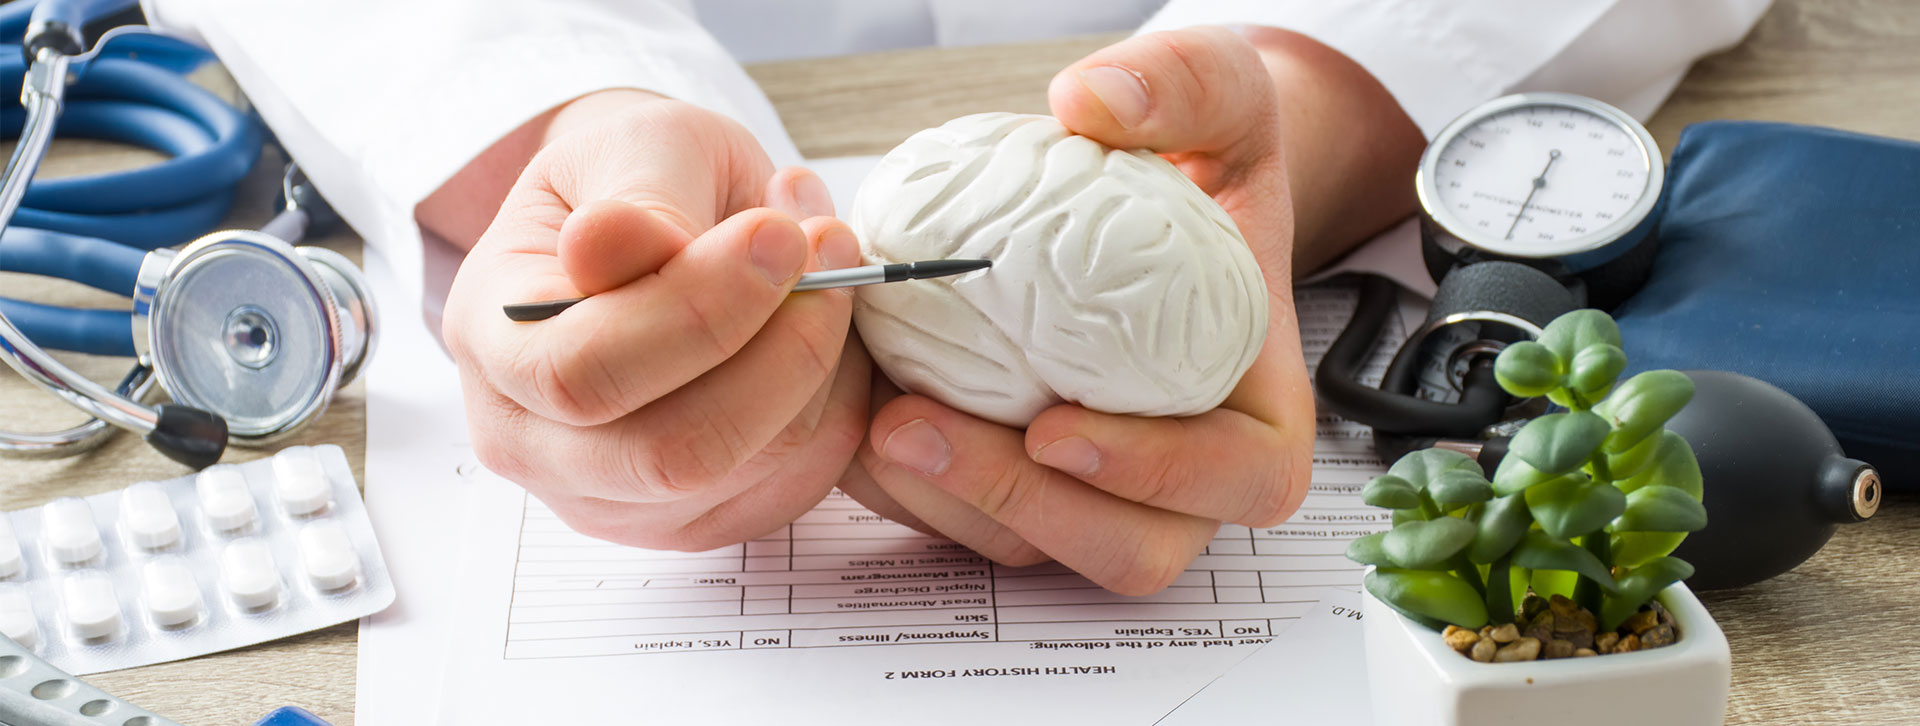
{"x": 93, "y": 608}
{"x": 172, "y": 595}
{"x": 249, "y": 576}
{"x": 300, "y": 483}
{"x": 11, "y": 563}
{"x": 16, "y": 619}
{"x": 66, "y": 525}
{"x": 224, "y": 499}
{"x": 148, "y": 516}
{"x": 328, "y": 556}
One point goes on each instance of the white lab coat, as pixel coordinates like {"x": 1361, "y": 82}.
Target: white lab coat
{"x": 382, "y": 100}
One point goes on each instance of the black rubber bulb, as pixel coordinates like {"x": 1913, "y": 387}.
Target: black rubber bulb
{"x": 1776, "y": 482}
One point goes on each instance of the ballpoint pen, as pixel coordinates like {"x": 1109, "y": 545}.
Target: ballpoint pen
{"x": 869, "y": 275}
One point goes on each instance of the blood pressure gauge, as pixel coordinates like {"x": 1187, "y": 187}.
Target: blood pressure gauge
{"x": 1559, "y": 182}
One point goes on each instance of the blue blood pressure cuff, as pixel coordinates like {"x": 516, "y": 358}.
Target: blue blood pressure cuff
{"x": 1792, "y": 254}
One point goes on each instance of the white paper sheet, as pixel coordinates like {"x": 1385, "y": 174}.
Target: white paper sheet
{"x": 505, "y": 617}
{"x": 1312, "y": 674}
{"x": 416, "y": 440}
{"x": 846, "y": 618}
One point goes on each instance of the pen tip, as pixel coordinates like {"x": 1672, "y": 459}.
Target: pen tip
{"x": 942, "y": 268}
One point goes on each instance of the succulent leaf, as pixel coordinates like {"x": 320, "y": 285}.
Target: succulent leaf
{"x": 1514, "y": 475}
{"x": 1639, "y": 407}
{"x": 1455, "y": 489}
{"x": 1429, "y": 596}
{"x": 1661, "y": 508}
{"x": 1633, "y": 549}
{"x": 1403, "y": 516}
{"x": 1595, "y": 368}
{"x": 1639, "y": 586}
{"x": 1541, "y": 552}
{"x": 1554, "y": 582}
{"x": 1559, "y": 442}
{"x": 1573, "y": 332}
{"x": 1427, "y": 545}
{"x": 1421, "y": 468}
{"x": 1390, "y": 492}
{"x": 1634, "y": 460}
{"x": 1527, "y": 369}
{"x": 1672, "y": 464}
{"x": 1368, "y": 551}
{"x": 1574, "y": 505}
{"x": 1500, "y": 524}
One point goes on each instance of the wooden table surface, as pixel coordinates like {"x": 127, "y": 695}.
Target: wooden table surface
{"x": 1830, "y": 643}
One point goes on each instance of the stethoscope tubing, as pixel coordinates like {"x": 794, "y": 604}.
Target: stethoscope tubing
{"x": 212, "y": 147}
{"x": 62, "y": 227}
{"x": 147, "y": 102}
{"x": 43, "y": 110}
{"x": 90, "y": 261}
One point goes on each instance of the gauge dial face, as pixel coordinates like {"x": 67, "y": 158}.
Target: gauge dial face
{"x": 1540, "y": 180}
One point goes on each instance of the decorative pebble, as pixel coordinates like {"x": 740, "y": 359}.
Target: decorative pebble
{"x": 1581, "y": 620}
{"x": 1557, "y": 627}
{"x": 1541, "y": 628}
{"x": 1458, "y": 638}
{"x": 1606, "y": 641}
{"x": 1579, "y": 638}
{"x": 1483, "y": 651}
{"x": 1531, "y": 606}
{"x": 1562, "y": 607}
{"x": 1557, "y": 648}
{"x": 1641, "y": 622}
{"x": 1657, "y": 636}
{"x": 1522, "y": 649}
{"x": 1506, "y": 633}
{"x": 1627, "y": 644}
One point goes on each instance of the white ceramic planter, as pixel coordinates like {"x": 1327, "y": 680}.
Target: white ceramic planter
{"x": 1416, "y": 680}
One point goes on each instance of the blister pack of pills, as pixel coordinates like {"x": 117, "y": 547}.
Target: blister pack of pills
{"x": 159, "y": 571}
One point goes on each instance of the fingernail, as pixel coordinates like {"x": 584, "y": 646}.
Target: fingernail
{"x": 1123, "y": 91}
{"x": 1073, "y": 455}
{"x": 919, "y": 446}
{"x": 776, "y": 251}
{"x": 812, "y": 195}
{"x": 838, "y": 249}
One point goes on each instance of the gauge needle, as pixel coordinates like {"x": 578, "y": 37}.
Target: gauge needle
{"x": 1538, "y": 181}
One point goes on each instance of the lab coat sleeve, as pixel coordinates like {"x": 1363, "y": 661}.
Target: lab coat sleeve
{"x": 382, "y": 101}
{"x": 1441, "y": 58}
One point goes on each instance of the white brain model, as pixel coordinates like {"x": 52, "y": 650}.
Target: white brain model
{"x": 1116, "y": 283}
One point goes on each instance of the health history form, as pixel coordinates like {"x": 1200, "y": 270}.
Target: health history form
{"x": 843, "y": 599}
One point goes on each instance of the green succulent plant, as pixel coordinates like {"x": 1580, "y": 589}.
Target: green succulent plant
{"x": 1588, "y": 503}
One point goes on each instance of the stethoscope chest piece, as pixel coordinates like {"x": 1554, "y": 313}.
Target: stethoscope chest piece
{"x": 243, "y": 324}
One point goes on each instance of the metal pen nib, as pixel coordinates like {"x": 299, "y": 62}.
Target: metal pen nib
{"x": 853, "y": 276}
{"x": 872, "y": 274}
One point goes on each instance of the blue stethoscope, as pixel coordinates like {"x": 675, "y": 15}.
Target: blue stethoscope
{"x": 248, "y": 335}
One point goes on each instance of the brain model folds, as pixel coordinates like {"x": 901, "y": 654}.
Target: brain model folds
{"x": 1116, "y": 283}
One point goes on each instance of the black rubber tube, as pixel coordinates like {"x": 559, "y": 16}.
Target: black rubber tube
{"x": 1388, "y": 412}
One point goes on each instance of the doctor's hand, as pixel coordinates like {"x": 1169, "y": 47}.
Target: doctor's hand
{"x": 1130, "y": 501}
{"x": 691, "y": 402}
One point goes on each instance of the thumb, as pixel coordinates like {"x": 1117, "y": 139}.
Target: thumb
{"x": 608, "y": 243}
{"x": 1201, "y": 89}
